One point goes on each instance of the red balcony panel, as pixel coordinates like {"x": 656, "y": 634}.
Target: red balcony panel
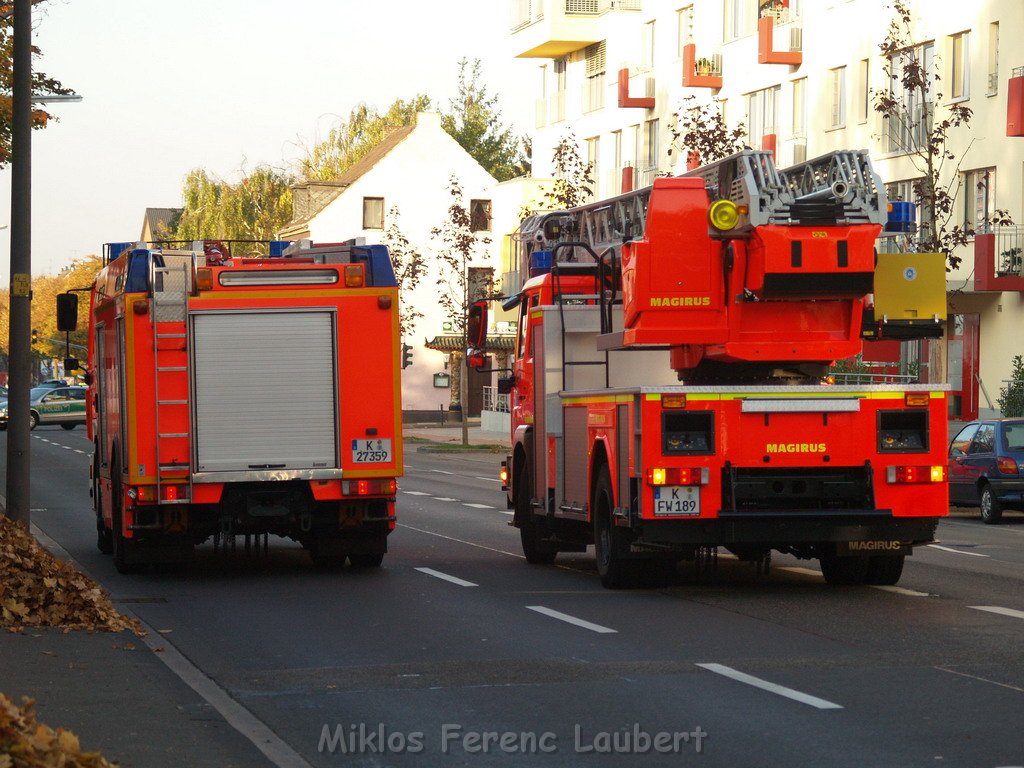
{"x": 985, "y": 276}
{"x": 765, "y": 40}
{"x": 768, "y": 143}
{"x": 1015, "y": 106}
{"x": 625, "y": 100}
{"x": 627, "y": 179}
{"x": 690, "y": 77}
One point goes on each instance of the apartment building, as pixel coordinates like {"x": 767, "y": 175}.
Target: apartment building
{"x": 803, "y": 78}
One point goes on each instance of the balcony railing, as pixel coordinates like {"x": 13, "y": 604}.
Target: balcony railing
{"x": 1009, "y": 251}
{"x": 998, "y": 259}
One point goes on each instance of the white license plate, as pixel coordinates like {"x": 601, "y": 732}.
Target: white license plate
{"x": 677, "y": 500}
{"x": 371, "y": 451}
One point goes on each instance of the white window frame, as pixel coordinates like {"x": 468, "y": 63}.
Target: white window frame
{"x": 647, "y": 40}
{"x": 960, "y": 66}
{"x": 684, "y": 29}
{"x": 762, "y": 114}
{"x": 837, "y": 97}
{"x": 992, "y": 87}
{"x": 979, "y": 194}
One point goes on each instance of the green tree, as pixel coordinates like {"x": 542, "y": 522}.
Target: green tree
{"x": 574, "y": 179}
{"x": 1011, "y": 397}
{"x": 475, "y": 122}
{"x": 352, "y": 139}
{"x": 41, "y": 82}
{"x": 253, "y": 209}
{"x": 920, "y": 122}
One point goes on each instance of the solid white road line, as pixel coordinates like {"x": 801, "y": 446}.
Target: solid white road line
{"x": 764, "y": 685}
{"x": 461, "y": 541}
{"x": 446, "y": 577}
{"x": 238, "y": 717}
{"x": 900, "y": 590}
{"x": 957, "y": 551}
{"x": 1001, "y": 611}
{"x": 572, "y": 620}
{"x": 414, "y": 493}
{"x": 802, "y": 571}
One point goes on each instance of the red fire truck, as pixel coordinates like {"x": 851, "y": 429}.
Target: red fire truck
{"x": 669, "y": 390}
{"x": 243, "y": 396}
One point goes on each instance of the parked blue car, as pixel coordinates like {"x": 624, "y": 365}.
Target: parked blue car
{"x": 986, "y": 467}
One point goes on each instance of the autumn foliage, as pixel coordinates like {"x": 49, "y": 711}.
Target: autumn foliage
{"x": 26, "y": 743}
{"x": 38, "y": 590}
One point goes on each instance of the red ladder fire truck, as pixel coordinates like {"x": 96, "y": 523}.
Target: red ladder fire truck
{"x": 669, "y": 395}
{"x": 243, "y": 396}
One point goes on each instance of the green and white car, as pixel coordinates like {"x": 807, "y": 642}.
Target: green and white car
{"x": 53, "y": 405}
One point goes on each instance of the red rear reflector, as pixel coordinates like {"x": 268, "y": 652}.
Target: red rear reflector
{"x": 363, "y": 487}
{"x": 916, "y": 474}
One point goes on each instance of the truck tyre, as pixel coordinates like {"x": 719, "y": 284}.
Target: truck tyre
{"x": 991, "y": 510}
{"x": 121, "y": 548}
{"x": 884, "y": 570}
{"x": 611, "y": 548}
{"x": 531, "y": 530}
{"x": 844, "y": 570}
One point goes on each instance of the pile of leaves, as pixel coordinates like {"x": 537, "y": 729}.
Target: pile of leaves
{"x": 38, "y": 590}
{"x": 25, "y": 743}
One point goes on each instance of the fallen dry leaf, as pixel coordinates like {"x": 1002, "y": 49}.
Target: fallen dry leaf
{"x": 38, "y": 590}
{"x": 25, "y": 743}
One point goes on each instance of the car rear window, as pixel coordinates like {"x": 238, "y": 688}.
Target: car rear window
{"x": 1013, "y": 436}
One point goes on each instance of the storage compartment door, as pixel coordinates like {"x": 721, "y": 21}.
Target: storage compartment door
{"x": 265, "y": 391}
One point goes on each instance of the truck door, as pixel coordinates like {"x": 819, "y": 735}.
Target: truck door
{"x": 522, "y": 405}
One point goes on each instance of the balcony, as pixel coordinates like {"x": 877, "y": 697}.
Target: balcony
{"x": 550, "y": 29}
{"x": 1015, "y": 103}
{"x": 702, "y": 72}
{"x": 550, "y": 110}
{"x": 998, "y": 259}
{"x": 637, "y": 83}
{"x": 782, "y": 46}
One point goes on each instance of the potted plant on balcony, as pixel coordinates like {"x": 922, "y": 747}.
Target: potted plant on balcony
{"x": 703, "y": 67}
{"x": 1010, "y": 262}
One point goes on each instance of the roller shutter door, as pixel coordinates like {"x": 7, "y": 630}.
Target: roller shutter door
{"x": 265, "y": 390}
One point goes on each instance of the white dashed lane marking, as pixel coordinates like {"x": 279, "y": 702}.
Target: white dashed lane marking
{"x": 997, "y": 609}
{"x": 764, "y": 685}
{"x": 572, "y": 620}
{"x": 446, "y": 577}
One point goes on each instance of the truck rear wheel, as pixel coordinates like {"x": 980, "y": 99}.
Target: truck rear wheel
{"x": 531, "y": 530}
{"x": 844, "y": 570}
{"x": 616, "y": 569}
{"x": 884, "y": 570}
{"x": 104, "y": 536}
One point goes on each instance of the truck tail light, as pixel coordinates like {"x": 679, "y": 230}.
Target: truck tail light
{"x": 387, "y": 486}
{"x": 173, "y": 492}
{"x": 1006, "y": 465}
{"x": 915, "y": 474}
{"x": 503, "y": 476}
{"x": 204, "y": 279}
{"x": 677, "y": 476}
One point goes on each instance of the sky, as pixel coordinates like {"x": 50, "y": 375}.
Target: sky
{"x": 225, "y": 85}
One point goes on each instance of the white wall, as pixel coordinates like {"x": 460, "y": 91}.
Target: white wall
{"x": 415, "y": 177}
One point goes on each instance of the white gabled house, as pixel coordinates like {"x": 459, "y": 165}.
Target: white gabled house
{"x": 410, "y": 170}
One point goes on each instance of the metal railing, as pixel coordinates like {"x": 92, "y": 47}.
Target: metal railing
{"x": 493, "y": 401}
{"x": 1009, "y": 250}
{"x": 867, "y": 377}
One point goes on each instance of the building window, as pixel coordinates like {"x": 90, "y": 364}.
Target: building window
{"x": 863, "y": 91}
{"x": 638, "y": 154}
{"x": 684, "y": 29}
{"x": 593, "y": 86}
{"x": 647, "y": 46}
{"x": 373, "y": 213}
{"x": 837, "y": 78}
{"x": 650, "y": 166}
{"x": 740, "y": 18}
{"x": 979, "y": 193}
{"x": 993, "y": 58}
{"x": 480, "y": 215}
{"x": 960, "y": 69}
{"x": 593, "y": 159}
{"x": 762, "y": 114}
{"x": 912, "y": 125}
{"x": 800, "y": 107}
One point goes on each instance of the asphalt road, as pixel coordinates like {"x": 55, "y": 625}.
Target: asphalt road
{"x": 457, "y": 652}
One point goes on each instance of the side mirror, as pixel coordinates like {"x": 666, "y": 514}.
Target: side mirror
{"x": 71, "y": 364}
{"x": 87, "y": 378}
{"x": 506, "y": 384}
{"x": 476, "y": 325}
{"x": 67, "y": 311}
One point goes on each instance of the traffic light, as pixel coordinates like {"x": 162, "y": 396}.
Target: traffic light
{"x": 406, "y": 356}
{"x": 35, "y": 335}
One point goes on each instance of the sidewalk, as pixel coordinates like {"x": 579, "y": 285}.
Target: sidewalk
{"x": 452, "y": 433}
